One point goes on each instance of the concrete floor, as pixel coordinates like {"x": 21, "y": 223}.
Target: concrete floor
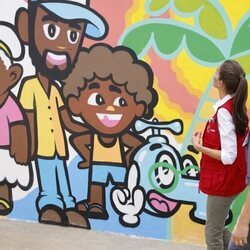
{"x": 19, "y": 235}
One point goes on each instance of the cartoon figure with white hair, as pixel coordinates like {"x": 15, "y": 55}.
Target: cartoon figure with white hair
{"x": 14, "y": 149}
{"x": 54, "y": 31}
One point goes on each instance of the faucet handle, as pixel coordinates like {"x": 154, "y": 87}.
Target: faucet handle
{"x": 175, "y": 126}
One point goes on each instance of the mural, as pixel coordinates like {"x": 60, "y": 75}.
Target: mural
{"x": 14, "y": 142}
{"x": 97, "y": 109}
{"x": 107, "y": 100}
{"x": 41, "y": 27}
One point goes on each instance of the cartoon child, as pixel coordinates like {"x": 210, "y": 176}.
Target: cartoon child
{"x": 109, "y": 94}
{"x": 13, "y": 133}
{"x": 54, "y": 32}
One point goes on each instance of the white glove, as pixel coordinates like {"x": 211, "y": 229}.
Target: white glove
{"x": 130, "y": 201}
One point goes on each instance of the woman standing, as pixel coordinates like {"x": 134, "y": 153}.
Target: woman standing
{"x": 223, "y": 162}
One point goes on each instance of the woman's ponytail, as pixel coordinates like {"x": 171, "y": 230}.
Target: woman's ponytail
{"x": 240, "y": 117}
{"x": 233, "y": 75}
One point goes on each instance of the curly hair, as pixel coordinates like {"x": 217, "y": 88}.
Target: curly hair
{"x": 120, "y": 65}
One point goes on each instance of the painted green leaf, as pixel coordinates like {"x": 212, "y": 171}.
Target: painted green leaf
{"x": 157, "y": 5}
{"x": 242, "y": 39}
{"x": 244, "y": 62}
{"x": 212, "y": 22}
{"x": 210, "y": 19}
{"x": 137, "y": 39}
{"x": 169, "y": 38}
{"x": 203, "y": 49}
{"x": 188, "y": 6}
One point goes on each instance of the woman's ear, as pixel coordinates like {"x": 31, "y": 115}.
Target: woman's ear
{"x": 220, "y": 83}
{"x": 74, "y": 106}
{"x": 15, "y": 74}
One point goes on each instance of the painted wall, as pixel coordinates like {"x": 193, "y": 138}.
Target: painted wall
{"x": 152, "y": 187}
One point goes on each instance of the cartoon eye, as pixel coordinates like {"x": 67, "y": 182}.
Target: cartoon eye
{"x": 165, "y": 176}
{"x": 51, "y": 31}
{"x": 95, "y": 99}
{"x": 120, "y": 102}
{"x": 190, "y": 166}
{"x": 73, "y": 36}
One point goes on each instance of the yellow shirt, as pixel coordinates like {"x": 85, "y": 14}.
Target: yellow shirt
{"x": 49, "y": 132}
{"x": 106, "y": 154}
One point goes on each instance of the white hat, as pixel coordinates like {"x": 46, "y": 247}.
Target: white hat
{"x": 77, "y": 9}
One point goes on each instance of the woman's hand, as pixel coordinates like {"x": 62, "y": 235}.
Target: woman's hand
{"x": 241, "y": 229}
{"x": 196, "y": 140}
{"x": 240, "y": 233}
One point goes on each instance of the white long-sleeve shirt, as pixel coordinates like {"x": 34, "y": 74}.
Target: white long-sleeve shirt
{"x": 228, "y": 136}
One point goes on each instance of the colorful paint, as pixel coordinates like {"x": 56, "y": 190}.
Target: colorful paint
{"x": 98, "y": 101}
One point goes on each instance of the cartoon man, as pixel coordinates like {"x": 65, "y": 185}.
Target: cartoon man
{"x": 14, "y": 149}
{"x": 108, "y": 95}
{"x": 54, "y": 32}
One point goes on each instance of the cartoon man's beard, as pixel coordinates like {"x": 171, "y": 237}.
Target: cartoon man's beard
{"x": 40, "y": 64}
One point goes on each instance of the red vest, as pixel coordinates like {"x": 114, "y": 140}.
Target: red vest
{"x": 215, "y": 177}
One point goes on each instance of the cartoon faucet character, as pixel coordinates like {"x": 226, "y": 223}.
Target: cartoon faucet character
{"x": 163, "y": 174}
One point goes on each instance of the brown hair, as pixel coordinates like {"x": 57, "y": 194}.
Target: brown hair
{"x": 120, "y": 64}
{"x": 233, "y": 76}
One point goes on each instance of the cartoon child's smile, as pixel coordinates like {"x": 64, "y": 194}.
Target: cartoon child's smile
{"x": 107, "y": 106}
{"x": 109, "y": 120}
